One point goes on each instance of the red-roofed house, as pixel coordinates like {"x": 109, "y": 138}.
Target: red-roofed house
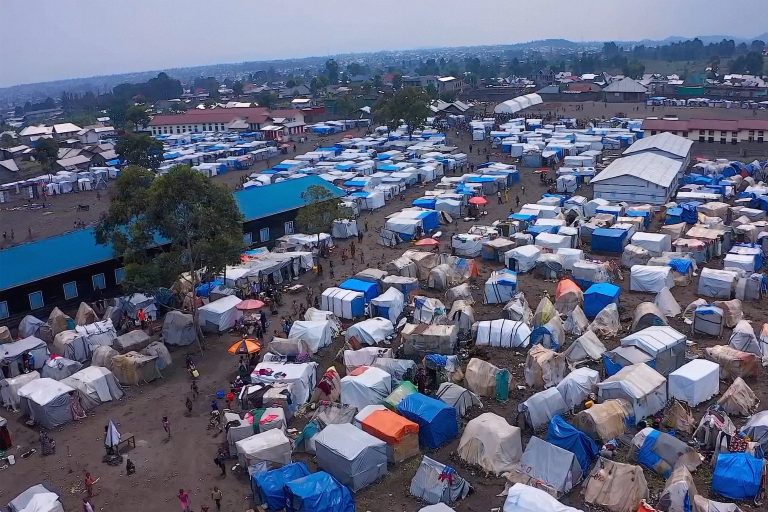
{"x": 711, "y": 130}
{"x": 226, "y": 119}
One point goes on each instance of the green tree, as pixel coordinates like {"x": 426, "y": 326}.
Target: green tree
{"x": 397, "y": 81}
{"x": 237, "y": 88}
{"x": 320, "y": 209}
{"x": 266, "y": 99}
{"x": 410, "y": 104}
{"x": 332, "y": 71}
{"x": 7, "y": 140}
{"x": 141, "y": 150}
{"x": 178, "y": 107}
{"x": 117, "y": 112}
{"x": 46, "y": 152}
{"x": 345, "y": 106}
{"x": 634, "y": 69}
{"x": 137, "y": 115}
{"x": 164, "y": 227}
{"x": 431, "y": 91}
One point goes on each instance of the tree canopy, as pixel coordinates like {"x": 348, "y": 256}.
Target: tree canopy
{"x": 141, "y": 150}
{"x": 410, "y": 105}
{"x": 321, "y": 208}
{"x": 46, "y": 152}
{"x": 137, "y": 115}
{"x": 162, "y": 87}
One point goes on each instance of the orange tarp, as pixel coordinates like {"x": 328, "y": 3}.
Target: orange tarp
{"x": 566, "y": 285}
{"x": 389, "y": 426}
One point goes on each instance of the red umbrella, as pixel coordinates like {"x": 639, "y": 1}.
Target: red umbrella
{"x": 427, "y": 242}
{"x": 249, "y": 304}
{"x": 479, "y": 201}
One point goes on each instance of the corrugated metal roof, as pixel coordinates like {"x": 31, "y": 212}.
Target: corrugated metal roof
{"x": 667, "y": 142}
{"x": 626, "y": 85}
{"x": 649, "y": 167}
{"x": 258, "y": 202}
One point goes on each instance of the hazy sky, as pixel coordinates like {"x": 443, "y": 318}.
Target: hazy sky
{"x": 52, "y": 39}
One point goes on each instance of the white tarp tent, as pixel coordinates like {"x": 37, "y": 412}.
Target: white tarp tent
{"x": 389, "y": 304}
{"x": 36, "y": 499}
{"x": 355, "y": 458}
{"x": 266, "y": 450}
{"x": 524, "y": 498}
{"x": 719, "y": 284}
{"x": 179, "y": 329}
{"x": 12, "y": 354}
{"x": 367, "y": 356}
{"x": 301, "y": 376}
{"x": 219, "y": 315}
{"x": 542, "y": 407}
{"x": 316, "y": 333}
{"x": 654, "y": 243}
{"x": 500, "y": 287}
{"x": 502, "y": 333}
{"x": 549, "y": 466}
{"x": 695, "y": 382}
{"x": 344, "y": 228}
{"x": 96, "y": 386}
{"x": 9, "y": 389}
{"x": 346, "y": 304}
{"x": 371, "y": 331}
{"x": 368, "y": 387}
{"x": 576, "y": 387}
{"x": 641, "y": 385}
{"x": 664, "y": 344}
{"x": 47, "y": 402}
{"x": 649, "y": 278}
{"x": 522, "y": 259}
{"x": 586, "y": 347}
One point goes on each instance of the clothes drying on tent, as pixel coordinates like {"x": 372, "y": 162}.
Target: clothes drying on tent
{"x": 437, "y": 483}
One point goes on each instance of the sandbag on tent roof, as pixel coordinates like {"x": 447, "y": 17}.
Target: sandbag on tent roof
{"x": 743, "y": 338}
{"x": 607, "y": 322}
{"x": 542, "y": 407}
{"x": 179, "y": 329}
{"x": 96, "y": 386}
{"x": 586, "y": 347}
{"x": 317, "y": 334}
{"x": 524, "y": 498}
{"x": 36, "y": 499}
{"x": 132, "y": 340}
{"x": 58, "y": 368}
{"x": 85, "y": 315}
{"x": 389, "y": 304}
{"x": 576, "y": 387}
{"x": 733, "y": 363}
{"x": 547, "y": 467}
{"x": 458, "y": 397}
{"x": 644, "y": 387}
{"x": 647, "y": 314}
{"x": 615, "y": 486}
{"x": 502, "y": 333}
{"x": 598, "y": 296}
{"x": 355, "y": 458}
{"x": 33, "y": 326}
{"x": 430, "y": 485}
{"x": 660, "y": 452}
{"x": 365, "y": 386}
{"x": 47, "y": 402}
{"x": 9, "y": 389}
{"x": 423, "y": 339}
{"x": 757, "y": 428}
{"x": 544, "y": 368}
{"x": 568, "y": 295}
{"x": 738, "y": 476}
{"x": 428, "y": 310}
{"x": 604, "y": 421}
{"x": 437, "y": 420}
{"x": 518, "y": 309}
{"x": 563, "y": 434}
{"x": 695, "y": 382}
{"x": 738, "y": 399}
{"x": 666, "y": 303}
{"x": 269, "y": 487}
{"x": 318, "y": 492}
{"x": 665, "y": 344}
{"x": 522, "y": 259}
{"x": 490, "y": 442}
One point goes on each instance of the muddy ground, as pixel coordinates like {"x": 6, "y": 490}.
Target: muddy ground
{"x": 185, "y": 460}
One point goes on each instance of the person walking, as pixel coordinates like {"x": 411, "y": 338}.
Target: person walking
{"x": 360, "y": 235}
{"x": 517, "y": 200}
{"x": 89, "y": 482}
{"x": 366, "y": 225}
{"x": 352, "y": 249}
{"x": 183, "y": 500}
{"x": 263, "y": 321}
{"x": 216, "y": 496}
{"x": 167, "y": 426}
{"x": 498, "y": 197}
{"x": 219, "y": 461}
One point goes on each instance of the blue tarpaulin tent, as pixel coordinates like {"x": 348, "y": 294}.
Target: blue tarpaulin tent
{"x": 598, "y": 296}
{"x": 318, "y": 492}
{"x": 737, "y": 476}
{"x": 424, "y": 202}
{"x": 436, "y": 419}
{"x": 608, "y": 240}
{"x": 644, "y": 214}
{"x": 525, "y": 217}
{"x": 674, "y": 216}
{"x": 204, "y": 289}
{"x": 537, "y": 230}
{"x": 369, "y": 289}
{"x": 563, "y": 434}
{"x": 270, "y": 485}
{"x": 689, "y": 214}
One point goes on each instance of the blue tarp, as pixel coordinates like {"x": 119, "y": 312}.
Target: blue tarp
{"x": 680, "y": 265}
{"x": 367, "y": 288}
{"x": 270, "y": 485}
{"x": 424, "y": 202}
{"x": 689, "y": 214}
{"x": 737, "y": 476}
{"x": 318, "y": 492}
{"x": 645, "y": 215}
{"x": 430, "y": 220}
{"x": 546, "y": 335}
{"x": 674, "y": 216}
{"x": 204, "y": 290}
{"x": 537, "y": 230}
{"x": 608, "y": 240}
{"x": 436, "y": 419}
{"x": 523, "y": 217}
{"x": 566, "y": 436}
{"x": 649, "y": 459}
{"x": 598, "y": 296}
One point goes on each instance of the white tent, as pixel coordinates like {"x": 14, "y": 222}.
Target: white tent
{"x": 266, "y": 450}
{"x": 458, "y": 397}
{"x": 355, "y": 458}
{"x": 502, "y": 333}
{"x": 695, "y": 382}
{"x": 719, "y": 284}
{"x": 666, "y": 303}
{"x": 219, "y": 315}
{"x": 179, "y": 329}
{"x": 9, "y": 389}
{"x": 318, "y": 314}
{"x": 346, "y": 304}
{"x": 302, "y": 378}
{"x": 96, "y": 386}
{"x": 371, "y": 331}
{"x": 522, "y": 259}
{"x": 641, "y": 385}
{"x": 344, "y": 228}
{"x": 490, "y": 442}
{"x": 586, "y": 347}
{"x": 500, "y": 287}
{"x": 317, "y": 334}
{"x": 542, "y": 407}
{"x": 524, "y": 498}
{"x": 12, "y": 354}
{"x": 743, "y": 338}
{"x": 648, "y": 278}
{"x": 576, "y": 387}
{"x": 369, "y": 386}
{"x": 654, "y": 243}
{"x": 389, "y": 304}
{"x": 47, "y": 402}
{"x": 553, "y": 242}
{"x": 427, "y": 310}
{"x": 548, "y": 465}
{"x": 663, "y": 343}
{"x": 36, "y": 499}
{"x": 366, "y": 356}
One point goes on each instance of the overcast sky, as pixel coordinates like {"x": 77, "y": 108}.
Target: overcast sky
{"x": 52, "y": 39}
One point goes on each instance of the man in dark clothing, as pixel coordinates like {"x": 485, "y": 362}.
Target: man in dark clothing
{"x": 219, "y": 461}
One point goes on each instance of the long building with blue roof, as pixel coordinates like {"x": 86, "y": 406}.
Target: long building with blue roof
{"x": 73, "y": 266}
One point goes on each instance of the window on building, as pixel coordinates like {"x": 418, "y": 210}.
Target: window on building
{"x": 70, "y": 290}
{"x": 36, "y": 300}
{"x": 4, "y": 313}
{"x": 119, "y": 275}
{"x": 99, "y": 282}
{"x": 248, "y": 238}
{"x": 653, "y": 132}
{"x": 685, "y": 134}
{"x": 289, "y": 227}
{"x": 264, "y": 235}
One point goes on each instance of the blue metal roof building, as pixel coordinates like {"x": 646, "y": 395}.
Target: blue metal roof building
{"x": 258, "y": 202}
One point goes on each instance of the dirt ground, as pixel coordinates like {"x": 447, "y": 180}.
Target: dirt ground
{"x": 185, "y": 460}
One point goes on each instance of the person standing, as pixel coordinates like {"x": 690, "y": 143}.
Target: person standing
{"x": 360, "y": 234}
{"x": 220, "y": 464}
{"x": 263, "y": 321}
{"x": 216, "y": 496}
{"x": 498, "y": 197}
{"x": 352, "y": 248}
{"x": 89, "y": 482}
{"x": 167, "y": 426}
{"x": 184, "y": 500}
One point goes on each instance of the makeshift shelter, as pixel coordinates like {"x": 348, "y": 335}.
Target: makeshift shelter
{"x": 634, "y": 255}
{"x": 160, "y": 351}
{"x": 355, "y": 458}
{"x": 654, "y": 243}
{"x": 315, "y": 315}
{"x": 404, "y": 267}
{"x": 461, "y": 292}
{"x": 13, "y": 355}
{"x": 458, "y": 397}
{"x": 679, "y": 491}
{"x": 598, "y": 296}
{"x": 604, "y": 421}
{"x": 102, "y": 356}
{"x": 738, "y": 476}
{"x": 9, "y": 389}
{"x": 96, "y": 385}
{"x": 365, "y": 386}
{"x": 607, "y": 322}
{"x": 615, "y": 486}
{"x": 666, "y": 303}
{"x": 432, "y": 485}
{"x": 462, "y": 315}
{"x": 568, "y": 296}
{"x": 85, "y": 315}
{"x": 344, "y": 228}
{"x": 586, "y": 347}
{"x": 58, "y": 368}
{"x": 544, "y": 368}
{"x": 518, "y": 309}
{"x": 708, "y": 320}
{"x": 427, "y": 310}
{"x": 369, "y": 289}
{"x": 345, "y": 304}
{"x": 563, "y": 434}
{"x": 495, "y": 250}
{"x": 738, "y": 399}
{"x": 47, "y": 402}
{"x": 219, "y": 315}
{"x": 576, "y": 322}
{"x": 660, "y": 452}
{"x": 720, "y": 284}
{"x": 647, "y": 314}
{"x": 665, "y": 345}
{"x": 500, "y": 287}
{"x": 318, "y": 492}
{"x": 33, "y": 326}
{"x": 423, "y": 339}
{"x": 702, "y": 504}
{"x": 733, "y": 363}
{"x": 695, "y": 382}
{"x": 550, "y": 267}
{"x": 547, "y": 467}
{"x": 369, "y": 332}
{"x": 491, "y": 443}
{"x": 522, "y": 259}
{"x": 550, "y": 335}
{"x": 265, "y": 450}
{"x": 316, "y": 334}
{"x": 576, "y": 387}
{"x": 541, "y": 407}
{"x": 649, "y": 278}
{"x": 641, "y": 385}
{"x": 398, "y": 369}
{"x": 299, "y": 376}
{"x": 400, "y": 434}
{"x": 133, "y": 368}
{"x": 502, "y": 333}
{"x": 732, "y": 311}
{"x": 36, "y": 499}
{"x": 59, "y": 322}
{"x": 757, "y": 429}
{"x": 609, "y": 240}
{"x": 483, "y": 378}
{"x": 437, "y": 420}
{"x": 620, "y": 357}
{"x": 134, "y": 340}
{"x": 743, "y": 338}
{"x": 389, "y": 304}
{"x": 524, "y": 498}
{"x": 179, "y": 329}
{"x": 269, "y": 486}
{"x": 405, "y": 389}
